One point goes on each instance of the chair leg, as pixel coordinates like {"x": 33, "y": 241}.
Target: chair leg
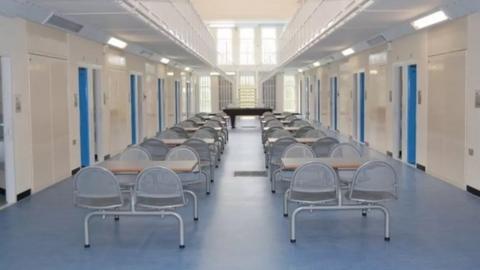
{"x": 207, "y": 183}
{"x": 285, "y": 203}
{"x": 86, "y": 228}
{"x": 195, "y": 203}
{"x": 180, "y": 227}
{"x": 293, "y": 238}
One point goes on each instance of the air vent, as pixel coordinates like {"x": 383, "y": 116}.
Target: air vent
{"x": 63, "y": 23}
{"x": 377, "y": 40}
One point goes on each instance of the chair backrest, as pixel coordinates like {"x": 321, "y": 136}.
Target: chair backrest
{"x": 96, "y": 188}
{"x": 280, "y": 133}
{"x": 273, "y": 123}
{"x": 159, "y": 188}
{"x": 202, "y": 148}
{"x": 298, "y": 150}
{"x": 197, "y": 119}
{"x": 314, "y": 178}
{"x": 322, "y": 147}
{"x": 291, "y": 117}
{"x": 314, "y": 133}
{"x": 204, "y": 133}
{"x": 377, "y": 177}
{"x": 302, "y": 131}
{"x": 300, "y": 123}
{"x": 180, "y": 131}
{"x": 135, "y": 153}
{"x": 182, "y": 153}
{"x": 345, "y": 150}
{"x": 187, "y": 123}
{"x": 277, "y": 148}
{"x": 169, "y": 134}
{"x": 212, "y": 123}
{"x": 157, "y": 149}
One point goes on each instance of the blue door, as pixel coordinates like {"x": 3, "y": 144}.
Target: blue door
{"x": 333, "y": 99}
{"x": 412, "y": 115}
{"x": 161, "y": 84}
{"x": 133, "y": 107}
{"x": 361, "y": 107}
{"x": 84, "y": 117}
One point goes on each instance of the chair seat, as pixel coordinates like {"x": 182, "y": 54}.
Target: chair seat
{"x": 371, "y": 196}
{"x": 159, "y": 202}
{"x": 98, "y": 203}
{"x": 191, "y": 178}
{"x": 312, "y": 197}
{"x": 285, "y": 175}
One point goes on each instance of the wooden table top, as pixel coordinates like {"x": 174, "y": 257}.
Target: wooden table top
{"x": 130, "y": 166}
{"x": 193, "y": 129}
{"x": 335, "y": 163}
{"x": 286, "y": 128}
{"x": 181, "y": 141}
{"x": 300, "y": 140}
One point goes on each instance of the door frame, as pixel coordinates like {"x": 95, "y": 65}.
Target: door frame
{"x": 93, "y": 117}
{"x": 395, "y": 109}
{"x": 87, "y": 144}
{"x": 161, "y": 103}
{"x": 360, "y": 105}
{"x": 9, "y": 132}
{"x": 134, "y": 96}
{"x": 334, "y": 102}
{"x": 318, "y": 100}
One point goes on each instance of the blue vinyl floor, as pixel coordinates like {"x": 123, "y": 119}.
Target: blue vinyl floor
{"x": 434, "y": 226}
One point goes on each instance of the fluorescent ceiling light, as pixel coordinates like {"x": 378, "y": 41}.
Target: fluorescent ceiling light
{"x": 348, "y": 52}
{"x": 170, "y": 74}
{"x": 164, "y": 60}
{"x": 214, "y": 74}
{"x": 429, "y": 20}
{"x": 115, "y": 42}
{"x": 300, "y": 70}
{"x": 316, "y": 64}
{"x": 187, "y": 69}
{"x": 230, "y": 73}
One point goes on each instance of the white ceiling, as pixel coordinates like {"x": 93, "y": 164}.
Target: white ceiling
{"x": 246, "y": 10}
{"x": 388, "y": 17}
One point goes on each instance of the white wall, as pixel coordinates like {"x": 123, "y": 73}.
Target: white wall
{"x": 442, "y": 54}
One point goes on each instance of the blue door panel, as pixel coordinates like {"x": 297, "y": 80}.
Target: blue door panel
{"x": 412, "y": 115}
{"x": 133, "y": 107}
{"x": 84, "y": 117}
{"x": 362, "y": 107}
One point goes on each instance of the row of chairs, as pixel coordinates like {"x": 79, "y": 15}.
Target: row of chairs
{"x": 317, "y": 186}
{"x": 156, "y": 191}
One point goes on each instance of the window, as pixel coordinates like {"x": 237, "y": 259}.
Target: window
{"x": 205, "y": 99}
{"x": 289, "y": 94}
{"x": 224, "y": 46}
{"x": 248, "y": 92}
{"x": 269, "y": 46}
{"x": 247, "y": 46}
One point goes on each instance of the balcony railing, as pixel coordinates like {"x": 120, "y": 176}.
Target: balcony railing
{"x": 180, "y": 21}
{"x": 315, "y": 20}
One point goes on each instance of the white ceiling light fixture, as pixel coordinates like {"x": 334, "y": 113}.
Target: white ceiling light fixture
{"x": 348, "y": 52}
{"x": 164, "y": 60}
{"x": 115, "y": 42}
{"x": 171, "y": 74}
{"x": 429, "y": 20}
{"x": 214, "y": 74}
{"x": 300, "y": 70}
{"x": 187, "y": 69}
{"x": 316, "y": 64}
{"x": 230, "y": 73}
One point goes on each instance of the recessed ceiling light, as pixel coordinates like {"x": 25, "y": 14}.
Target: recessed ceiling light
{"x": 230, "y": 73}
{"x": 115, "y": 42}
{"x": 348, "y": 52}
{"x": 214, "y": 74}
{"x": 165, "y": 60}
{"x": 429, "y": 20}
{"x": 170, "y": 74}
{"x": 316, "y": 64}
{"x": 300, "y": 70}
{"x": 187, "y": 69}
